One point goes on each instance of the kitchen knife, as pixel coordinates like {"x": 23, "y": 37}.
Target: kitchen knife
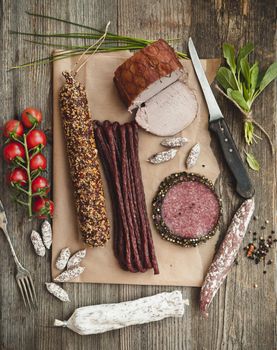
{"x": 218, "y": 125}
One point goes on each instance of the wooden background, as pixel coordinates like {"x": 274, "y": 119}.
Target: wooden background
{"x": 241, "y": 316}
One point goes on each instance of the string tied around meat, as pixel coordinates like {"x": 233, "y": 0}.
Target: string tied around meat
{"x": 98, "y": 43}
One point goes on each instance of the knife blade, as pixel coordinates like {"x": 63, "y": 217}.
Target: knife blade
{"x": 218, "y": 125}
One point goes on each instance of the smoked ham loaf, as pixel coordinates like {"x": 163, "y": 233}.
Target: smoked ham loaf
{"x": 150, "y": 83}
{"x": 146, "y": 73}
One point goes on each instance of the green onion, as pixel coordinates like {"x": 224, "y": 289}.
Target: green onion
{"x": 114, "y": 42}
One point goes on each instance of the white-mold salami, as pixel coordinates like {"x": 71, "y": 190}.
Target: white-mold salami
{"x": 193, "y": 156}
{"x": 76, "y": 258}
{"x": 46, "y": 232}
{"x": 57, "y": 291}
{"x": 226, "y": 254}
{"x": 106, "y": 317}
{"x": 37, "y": 243}
{"x": 70, "y": 274}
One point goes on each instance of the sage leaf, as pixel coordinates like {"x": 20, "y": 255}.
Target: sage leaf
{"x": 244, "y": 52}
{"x": 269, "y": 76}
{"x": 252, "y": 162}
{"x": 225, "y": 78}
{"x": 245, "y": 69}
{"x": 238, "y": 97}
{"x": 229, "y": 55}
{"x": 246, "y": 92}
{"x": 254, "y": 75}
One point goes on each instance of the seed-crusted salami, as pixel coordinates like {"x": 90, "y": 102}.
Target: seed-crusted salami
{"x": 118, "y": 148}
{"x": 186, "y": 209}
{"x": 226, "y": 254}
{"x": 84, "y": 165}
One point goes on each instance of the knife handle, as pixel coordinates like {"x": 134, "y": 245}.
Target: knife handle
{"x": 231, "y": 154}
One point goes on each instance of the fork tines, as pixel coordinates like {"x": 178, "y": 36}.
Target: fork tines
{"x": 27, "y": 289}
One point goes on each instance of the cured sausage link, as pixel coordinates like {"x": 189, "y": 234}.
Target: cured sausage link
{"x": 137, "y": 190}
{"x": 226, "y": 254}
{"x": 141, "y": 196}
{"x": 121, "y": 243}
{"x": 135, "y": 213}
{"x": 127, "y": 203}
{"x": 133, "y": 245}
{"x": 117, "y": 178}
{"x": 104, "y": 150}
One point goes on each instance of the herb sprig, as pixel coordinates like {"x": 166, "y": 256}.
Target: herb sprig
{"x": 242, "y": 82}
{"x": 114, "y": 42}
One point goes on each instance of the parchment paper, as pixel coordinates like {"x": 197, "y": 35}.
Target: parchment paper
{"x": 178, "y": 266}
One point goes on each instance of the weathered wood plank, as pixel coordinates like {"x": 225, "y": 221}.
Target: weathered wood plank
{"x": 241, "y": 317}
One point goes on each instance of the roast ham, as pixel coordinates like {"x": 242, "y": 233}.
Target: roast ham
{"x": 150, "y": 82}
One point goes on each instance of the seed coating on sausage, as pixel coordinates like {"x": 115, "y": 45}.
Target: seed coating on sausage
{"x": 84, "y": 164}
{"x": 186, "y": 209}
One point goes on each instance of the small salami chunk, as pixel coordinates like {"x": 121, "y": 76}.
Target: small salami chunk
{"x": 37, "y": 243}
{"x": 186, "y": 209}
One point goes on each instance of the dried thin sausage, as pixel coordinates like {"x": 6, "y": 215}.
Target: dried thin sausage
{"x": 226, "y": 254}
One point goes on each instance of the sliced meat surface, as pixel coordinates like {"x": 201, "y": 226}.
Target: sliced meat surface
{"x": 169, "y": 111}
{"x": 190, "y": 209}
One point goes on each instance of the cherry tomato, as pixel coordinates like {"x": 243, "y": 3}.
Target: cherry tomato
{"x": 13, "y": 128}
{"x": 38, "y": 161}
{"x": 13, "y": 150}
{"x": 17, "y": 176}
{"x": 36, "y": 138}
{"x": 40, "y": 185}
{"x": 31, "y": 116}
{"x": 43, "y": 207}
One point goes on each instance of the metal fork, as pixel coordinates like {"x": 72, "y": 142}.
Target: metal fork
{"x": 23, "y": 276}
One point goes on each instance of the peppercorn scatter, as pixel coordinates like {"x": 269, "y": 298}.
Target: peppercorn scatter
{"x": 259, "y": 247}
{"x": 84, "y": 164}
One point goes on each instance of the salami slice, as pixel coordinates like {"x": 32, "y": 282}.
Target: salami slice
{"x": 186, "y": 209}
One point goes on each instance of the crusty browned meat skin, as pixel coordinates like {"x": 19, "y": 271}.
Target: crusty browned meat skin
{"x": 145, "y": 67}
